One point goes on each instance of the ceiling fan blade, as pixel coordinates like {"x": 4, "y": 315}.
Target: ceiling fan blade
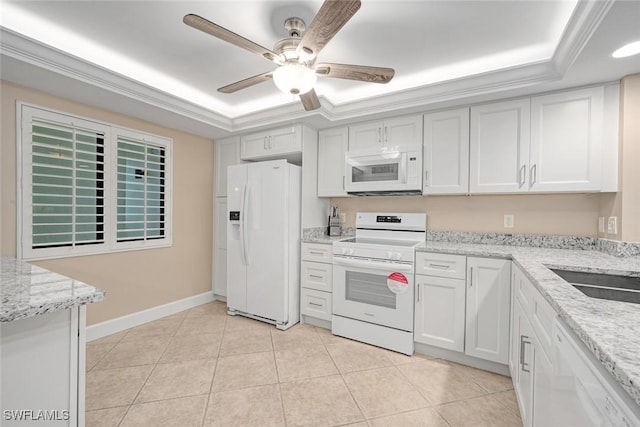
{"x": 332, "y": 16}
{"x": 310, "y": 100}
{"x": 243, "y": 84}
{"x": 199, "y": 23}
{"x": 355, "y": 72}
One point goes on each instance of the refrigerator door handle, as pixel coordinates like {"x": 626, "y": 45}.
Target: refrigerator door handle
{"x": 243, "y": 227}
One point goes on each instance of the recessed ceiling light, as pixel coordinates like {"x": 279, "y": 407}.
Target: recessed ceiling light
{"x": 627, "y": 50}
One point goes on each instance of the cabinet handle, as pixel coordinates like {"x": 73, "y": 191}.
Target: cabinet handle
{"x": 426, "y": 178}
{"x": 270, "y": 141}
{"x": 386, "y": 138}
{"x": 533, "y": 175}
{"x": 470, "y": 277}
{"x": 316, "y": 253}
{"x": 523, "y": 342}
{"x": 264, "y": 143}
{"x": 418, "y": 292}
{"x": 442, "y": 266}
{"x": 344, "y": 178}
{"x": 315, "y": 276}
{"x": 315, "y": 304}
{"x": 523, "y": 174}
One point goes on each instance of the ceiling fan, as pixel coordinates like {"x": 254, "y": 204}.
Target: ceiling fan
{"x": 296, "y": 55}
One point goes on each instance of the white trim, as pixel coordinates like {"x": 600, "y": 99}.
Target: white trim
{"x": 123, "y": 323}
{"x": 82, "y": 363}
{"x": 462, "y": 358}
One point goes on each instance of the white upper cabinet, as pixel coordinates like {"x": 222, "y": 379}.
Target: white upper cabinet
{"x": 333, "y": 145}
{"x": 446, "y": 152}
{"x": 274, "y": 143}
{"x": 566, "y": 141}
{"x": 499, "y": 147}
{"x": 393, "y": 133}
{"x": 226, "y": 153}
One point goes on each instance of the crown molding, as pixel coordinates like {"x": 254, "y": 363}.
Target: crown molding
{"x": 584, "y": 21}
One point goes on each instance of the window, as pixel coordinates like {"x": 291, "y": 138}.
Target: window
{"x": 88, "y": 187}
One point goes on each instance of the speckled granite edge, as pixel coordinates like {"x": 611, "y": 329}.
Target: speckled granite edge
{"x": 27, "y": 290}
{"x": 534, "y": 240}
{"x": 319, "y": 234}
{"x": 618, "y": 248}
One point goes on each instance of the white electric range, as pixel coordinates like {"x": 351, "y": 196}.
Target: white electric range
{"x": 373, "y": 279}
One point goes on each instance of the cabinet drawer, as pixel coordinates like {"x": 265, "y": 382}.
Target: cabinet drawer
{"x": 318, "y": 252}
{"x": 317, "y": 275}
{"x": 315, "y": 304}
{"x": 441, "y": 265}
{"x": 542, "y": 318}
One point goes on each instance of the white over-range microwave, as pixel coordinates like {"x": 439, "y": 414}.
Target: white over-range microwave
{"x": 384, "y": 172}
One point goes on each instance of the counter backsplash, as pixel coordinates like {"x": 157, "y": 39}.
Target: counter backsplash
{"x": 535, "y": 240}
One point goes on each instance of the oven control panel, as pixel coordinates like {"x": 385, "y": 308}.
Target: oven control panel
{"x": 389, "y": 218}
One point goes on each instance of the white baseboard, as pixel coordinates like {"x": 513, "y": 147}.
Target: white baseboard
{"x": 112, "y": 326}
{"x": 462, "y": 358}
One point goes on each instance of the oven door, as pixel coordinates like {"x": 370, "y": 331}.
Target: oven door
{"x": 377, "y": 292}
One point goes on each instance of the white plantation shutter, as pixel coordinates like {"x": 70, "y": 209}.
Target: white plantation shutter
{"x": 141, "y": 190}
{"x": 88, "y": 188}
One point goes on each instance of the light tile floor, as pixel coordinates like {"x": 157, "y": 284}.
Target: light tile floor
{"x": 202, "y": 367}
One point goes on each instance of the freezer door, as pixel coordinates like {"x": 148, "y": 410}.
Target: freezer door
{"x": 267, "y": 260}
{"x": 236, "y": 265}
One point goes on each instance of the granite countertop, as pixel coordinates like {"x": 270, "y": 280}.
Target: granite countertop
{"x": 27, "y": 290}
{"x": 608, "y": 328}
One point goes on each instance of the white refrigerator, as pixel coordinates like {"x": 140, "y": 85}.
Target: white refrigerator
{"x": 263, "y": 241}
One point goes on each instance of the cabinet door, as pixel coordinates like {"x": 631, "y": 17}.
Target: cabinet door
{"x": 220, "y": 248}
{"x": 42, "y": 367}
{"x": 544, "y": 405}
{"x": 499, "y": 147}
{"x": 446, "y": 152}
{"x": 439, "y": 316}
{"x": 566, "y": 138}
{"x": 227, "y": 153}
{"x": 524, "y": 356}
{"x": 254, "y": 145}
{"x": 332, "y": 147}
{"x": 365, "y": 136}
{"x": 402, "y": 132}
{"x": 488, "y": 309}
{"x": 285, "y": 140}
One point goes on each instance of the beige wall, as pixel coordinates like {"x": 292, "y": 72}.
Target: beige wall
{"x": 564, "y": 214}
{"x": 134, "y": 280}
{"x": 630, "y": 155}
{"x": 625, "y": 205}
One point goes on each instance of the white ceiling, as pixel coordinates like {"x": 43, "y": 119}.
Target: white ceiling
{"x": 444, "y": 52}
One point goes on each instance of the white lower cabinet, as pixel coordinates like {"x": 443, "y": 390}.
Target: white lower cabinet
{"x": 43, "y": 369}
{"x": 521, "y": 363}
{"x": 463, "y": 304}
{"x": 439, "y": 312}
{"x": 488, "y": 309}
{"x": 220, "y": 247}
{"x": 316, "y": 281}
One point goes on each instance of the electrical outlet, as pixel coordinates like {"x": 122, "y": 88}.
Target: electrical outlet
{"x": 601, "y": 228}
{"x": 508, "y": 221}
{"x": 612, "y": 225}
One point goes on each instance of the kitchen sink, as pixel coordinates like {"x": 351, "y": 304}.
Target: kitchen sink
{"x": 603, "y": 286}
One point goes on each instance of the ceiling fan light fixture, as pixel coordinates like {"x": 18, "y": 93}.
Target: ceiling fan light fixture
{"x": 294, "y": 78}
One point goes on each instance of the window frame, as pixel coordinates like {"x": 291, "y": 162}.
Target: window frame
{"x": 25, "y": 113}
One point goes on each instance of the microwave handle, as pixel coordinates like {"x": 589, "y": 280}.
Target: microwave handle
{"x": 403, "y": 167}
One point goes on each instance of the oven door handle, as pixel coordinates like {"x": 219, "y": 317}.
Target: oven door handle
{"x": 387, "y": 266}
